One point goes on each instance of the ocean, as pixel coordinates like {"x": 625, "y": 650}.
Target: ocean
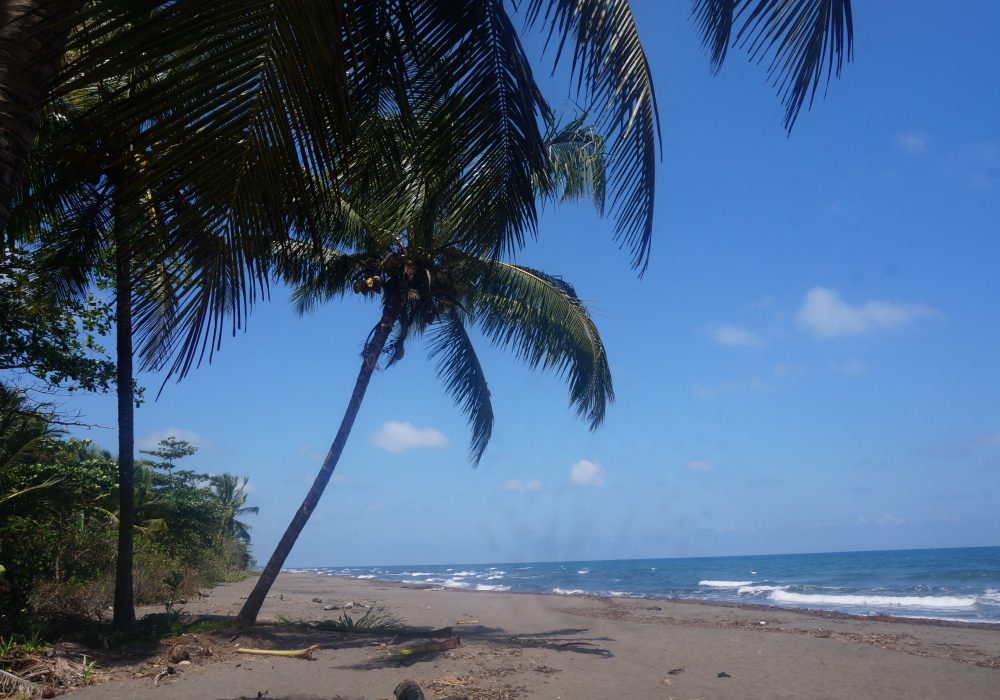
{"x": 948, "y": 584}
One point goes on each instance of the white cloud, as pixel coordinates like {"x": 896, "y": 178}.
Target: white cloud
{"x": 151, "y": 441}
{"x": 913, "y": 141}
{"x": 826, "y": 315}
{"x": 736, "y": 336}
{"x": 400, "y": 436}
{"x": 522, "y": 486}
{"x": 587, "y": 473}
{"x": 699, "y": 466}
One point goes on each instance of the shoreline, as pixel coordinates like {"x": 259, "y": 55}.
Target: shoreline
{"x": 515, "y": 646}
{"x": 812, "y": 612}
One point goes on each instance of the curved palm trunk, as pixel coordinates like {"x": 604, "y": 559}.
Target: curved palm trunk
{"x": 248, "y": 615}
{"x": 31, "y": 44}
{"x": 124, "y": 614}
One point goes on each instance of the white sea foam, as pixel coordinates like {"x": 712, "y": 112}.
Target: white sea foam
{"x": 495, "y": 577}
{"x": 455, "y": 583}
{"x": 571, "y": 591}
{"x": 724, "y": 584}
{"x": 365, "y": 576}
{"x": 750, "y": 590}
{"x": 906, "y": 601}
{"x": 618, "y": 594}
{"x": 583, "y": 571}
{"x": 488, "y": 587}
{"x": 418, "y": 573}
{"x": 992, "y": 595}
{"x": 464, "y": 573}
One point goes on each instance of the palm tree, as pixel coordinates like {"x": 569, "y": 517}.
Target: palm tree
{"x": 403, "y": 242}
{"x": 78, "y": 210}
{"x": 231, "y": 492}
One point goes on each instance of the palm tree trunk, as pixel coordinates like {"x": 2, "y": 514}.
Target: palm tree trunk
{"x": 124, "y": 614}
{"x": 31, "y": 46}
{"x": 248, "y": 615}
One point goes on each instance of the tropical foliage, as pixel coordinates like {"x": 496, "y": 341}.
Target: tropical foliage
{"x": 58, "y": 518}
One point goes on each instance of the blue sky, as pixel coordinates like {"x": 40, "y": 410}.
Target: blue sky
{"x": 808, "y": 365}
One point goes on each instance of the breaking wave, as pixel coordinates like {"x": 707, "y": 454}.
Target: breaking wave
{"x": 904, "y": 601}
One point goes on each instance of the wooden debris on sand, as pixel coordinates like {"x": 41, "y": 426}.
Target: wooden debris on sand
{"x": 290, "y": 654}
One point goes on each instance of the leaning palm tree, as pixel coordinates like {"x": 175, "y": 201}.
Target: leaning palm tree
{"x": 403, "y": 242}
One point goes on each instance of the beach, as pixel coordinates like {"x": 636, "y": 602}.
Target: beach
{"x": 550, "y": 646}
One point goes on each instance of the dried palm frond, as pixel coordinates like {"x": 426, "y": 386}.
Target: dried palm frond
{"x": 15, "y": 685}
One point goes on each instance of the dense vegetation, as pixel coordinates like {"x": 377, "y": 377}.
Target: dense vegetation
{"x": 58, "y": 523}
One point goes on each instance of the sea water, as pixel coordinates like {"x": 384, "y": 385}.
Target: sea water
{"x": 950, "y": 584}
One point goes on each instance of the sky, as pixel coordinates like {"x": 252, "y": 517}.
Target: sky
{"x": 808, "y": 365}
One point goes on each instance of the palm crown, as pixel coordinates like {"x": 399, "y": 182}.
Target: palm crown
{"x": 417, "y": 260}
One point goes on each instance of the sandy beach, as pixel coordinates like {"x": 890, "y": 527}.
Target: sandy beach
{"x": 547, "y": 646}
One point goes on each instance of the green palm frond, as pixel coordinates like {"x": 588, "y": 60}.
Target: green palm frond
{"x": 495, "y": 124}
{"x": 541, "y": 318}
{"x": 805, "y": 41}
{"x": 611, "y": 70}
{"x": 463, "y": 377}
{"x": 577, "y": 164}
{"x": 319, "y": 273}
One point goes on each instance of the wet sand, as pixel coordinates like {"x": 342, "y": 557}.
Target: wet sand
{"x": 545, "y": 646}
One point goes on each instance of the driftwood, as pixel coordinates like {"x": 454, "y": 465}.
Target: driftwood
{"x": 292, "y": 654}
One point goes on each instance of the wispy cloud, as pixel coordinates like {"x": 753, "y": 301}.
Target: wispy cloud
{"x": 519, "y": 486}
{"x": 400, "y": 436}
{"x": 826, "y": 315}
{"x": 735, "y": 336}
{"x": 913, "y": 141}
{"x": 152, "y": 440}
{"x": 699, "y": 466}
{"x": 587, "y": 473}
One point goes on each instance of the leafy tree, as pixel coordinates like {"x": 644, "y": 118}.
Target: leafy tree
{"x": 50, "y": 342}
{"x": 170, "y": 450}
{"x": 416, "y": 260}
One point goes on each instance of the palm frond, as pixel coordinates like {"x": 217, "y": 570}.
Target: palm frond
{"x": 610, "y": 67}
{"x": 715, "y": 22}
{"x": 541, "y": 318}
{"x": 577, "y": 167}
{"x": 807, "y": 41}
{"x": 318, "y": 273}
{"x": 463, "y": 377}
{"x": 492, "y": 120}
{"x": 16, "y": 686}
